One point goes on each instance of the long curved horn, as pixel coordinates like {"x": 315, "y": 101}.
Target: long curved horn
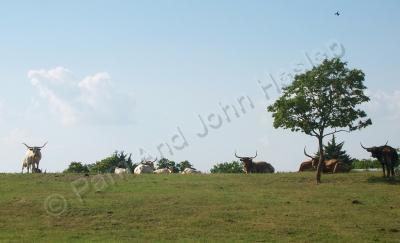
{"x": 363, "y": 146}
{"x": 305, "y": 153}
{"x": 28, "y": 147}
{"x": 254, "y": 156}
{"x": 386, "y": 143}
{"x": 154, "y": 160}
{"x": 43, "y": 145}
{"x": 238, "y": 156}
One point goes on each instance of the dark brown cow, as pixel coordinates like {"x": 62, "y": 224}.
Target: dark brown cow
{"x": 255, "y": 167}
{"x": 387, "y": 156}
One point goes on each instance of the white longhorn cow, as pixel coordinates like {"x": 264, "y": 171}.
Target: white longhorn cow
{"x": 163, "y": 171}
{"x": 120, "y": 171}
{"x": 190, "y": 171}
{"x": 32, "y": 158}
{"x": 145, "y": 167}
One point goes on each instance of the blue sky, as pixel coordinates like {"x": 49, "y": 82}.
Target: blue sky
{"x": 97, "y": 76}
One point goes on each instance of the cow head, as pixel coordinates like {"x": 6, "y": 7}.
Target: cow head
{"x": 34, "y": 150}
{"x": 149, "y": 162}
{"x": 247, "y": 161}
{"x": 375, "y": 151}
{"x": 314, "y": 159}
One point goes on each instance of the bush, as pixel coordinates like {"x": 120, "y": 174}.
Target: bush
{"x": 77, "y": 167}
{"x": 366, "y": 164}
{"x": 118, "y": 159}
{"x": 228, "y": 167}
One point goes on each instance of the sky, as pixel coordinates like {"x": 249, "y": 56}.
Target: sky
{"x": 185, "y": 80}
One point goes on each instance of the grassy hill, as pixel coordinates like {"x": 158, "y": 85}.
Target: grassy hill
{"x": 278, "y": 207}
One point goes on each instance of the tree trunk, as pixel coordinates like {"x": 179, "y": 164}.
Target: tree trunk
{"x": 321, "y": 160}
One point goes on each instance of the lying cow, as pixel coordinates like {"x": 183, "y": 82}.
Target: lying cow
{"x": 190, "y": 171}
{"x": 163, "y": 171}
{"x": 329, "y": 166}
{"x": 307, "y": 166}
{"x": 145, "y": 167}
{"x": 255, "y": 167}
{"x": 120, "y": 171}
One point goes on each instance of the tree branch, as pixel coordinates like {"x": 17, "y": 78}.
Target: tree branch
{"x": 336, "y": 131}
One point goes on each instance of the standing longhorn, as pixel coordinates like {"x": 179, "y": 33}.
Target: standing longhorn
{"x": 387, "y": 156}
{"x": 32, "y": 158}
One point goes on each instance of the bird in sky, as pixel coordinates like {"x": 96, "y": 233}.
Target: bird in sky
{"x": 337, "y": 13}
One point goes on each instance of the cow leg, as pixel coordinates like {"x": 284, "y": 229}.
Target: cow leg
{"x": 384, "y": 170}
{"x": 389, "y": 170}
{"x": 392, "y": 170}
{"x": 334, "y": 169}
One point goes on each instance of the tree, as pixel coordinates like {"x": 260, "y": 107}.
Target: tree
{"x": 183, "y": 165}
{"x": 322, "y": 102}
{"x": 117, "y": 159}
{"x": 77, "y": 167}
{"x": 335, "y": 151}
{"x": 232, "y": 167}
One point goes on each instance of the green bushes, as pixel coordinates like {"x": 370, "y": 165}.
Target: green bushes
{"x": 366, "y": 164}
{"x": 228, "y": 167}
{"x": 117, "y": 159}
{"x": 77, "y": 167}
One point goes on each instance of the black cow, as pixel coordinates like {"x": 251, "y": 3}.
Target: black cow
{"x": 387, "y": 156}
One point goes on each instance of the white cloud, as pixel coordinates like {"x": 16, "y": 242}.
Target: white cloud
{"x": 55, "y": 75}
{"x": 386, "y": 104}
{"x": 91, "y": 99}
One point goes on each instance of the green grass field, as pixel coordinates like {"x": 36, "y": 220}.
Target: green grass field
{"x": 260, "y": 207}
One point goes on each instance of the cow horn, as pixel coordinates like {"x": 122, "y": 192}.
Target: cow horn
{"x": 238, "y": 156}
{"x": 43, "y": 145}
{"x": 386, "y": 142}
{"x": 154, "y": 160}
{"x": 363, "y": 146}
{"x": 305, "y": 153}
{"x": 28, "y": 147}
{"x": 254, "y": 156}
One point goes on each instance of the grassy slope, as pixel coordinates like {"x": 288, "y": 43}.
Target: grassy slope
{"x": 284, "y": 207}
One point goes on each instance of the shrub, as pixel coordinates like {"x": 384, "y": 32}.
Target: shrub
{"x": 366, "y": 164}
{"x": 117, "y": 159}
{"x": 77, "y": 167}
{"x": 228, "y": 167}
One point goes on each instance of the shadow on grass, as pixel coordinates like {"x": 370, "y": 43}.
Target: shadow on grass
{"x": 382, "y": 180}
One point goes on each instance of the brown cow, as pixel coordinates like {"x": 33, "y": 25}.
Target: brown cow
{"x": 329, "y": 166}
{"x": 307, "y": 166}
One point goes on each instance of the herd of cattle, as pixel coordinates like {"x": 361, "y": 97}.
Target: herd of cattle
{"x": 147, "y": 167}
{"x": 385, "y": 154}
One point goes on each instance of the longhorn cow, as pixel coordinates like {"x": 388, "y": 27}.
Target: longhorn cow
{"x": 387, "y": 156}
{"x": 145, "y": 167}
{"x": 255, "y": 167}
{"x": 329, "y": 166}
{"x": 32, "y": 158}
